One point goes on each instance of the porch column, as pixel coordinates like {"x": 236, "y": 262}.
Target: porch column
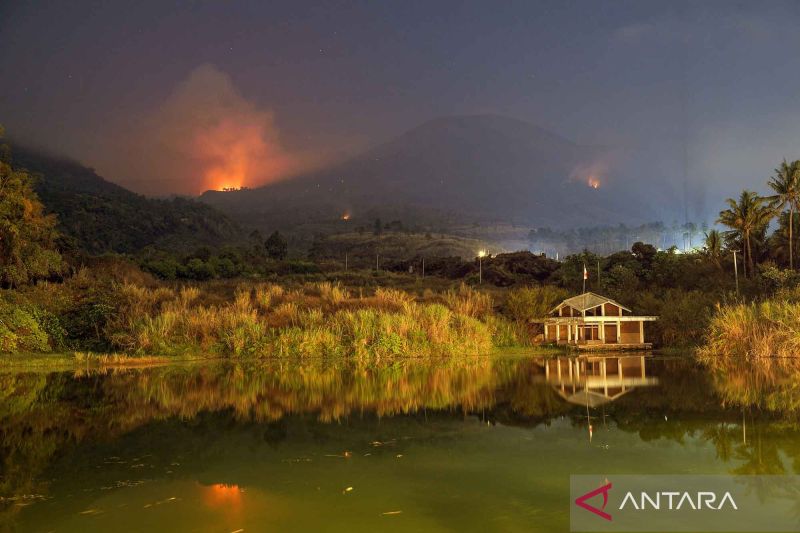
{"x": 619, "y": 332}
{"x": 569, "y": 333}
{"x": 641, "y": 332}
{"x": 545, "y": 332}
{"x": 558, "y": 332}
{"x": 602, "y": 324}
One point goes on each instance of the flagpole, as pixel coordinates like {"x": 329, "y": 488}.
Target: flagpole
{"x": 585, "y": 275}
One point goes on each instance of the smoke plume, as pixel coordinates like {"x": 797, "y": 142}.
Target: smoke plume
{"x": 206, "y": 135}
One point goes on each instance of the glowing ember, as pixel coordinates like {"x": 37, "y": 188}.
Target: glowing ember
{"x": 346, "y": 215}
{"x": 593, "y": 182}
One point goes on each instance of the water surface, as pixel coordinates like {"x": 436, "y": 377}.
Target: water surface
{"x": 478, "y": 444}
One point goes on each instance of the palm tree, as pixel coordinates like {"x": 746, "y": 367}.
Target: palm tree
{"x": 786, "y": 184}
{"x": 749, "y": 214}
{"x": 713, "y": 246}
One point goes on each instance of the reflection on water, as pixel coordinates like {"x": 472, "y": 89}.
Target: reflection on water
{"x": 423, "y": 445}
{"x": 593, "y": 381}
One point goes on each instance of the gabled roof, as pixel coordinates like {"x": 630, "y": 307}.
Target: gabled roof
{"x": 586, "y": 301}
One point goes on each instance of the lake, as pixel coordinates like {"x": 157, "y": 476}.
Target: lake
{"x": 475, "y": 444}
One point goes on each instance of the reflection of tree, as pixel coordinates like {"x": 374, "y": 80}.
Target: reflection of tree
{"x": 42, "y": 414}
{"x": 759, "y": 457}
{"x": 765, "y": 383}
{"x": 721, "y": 436}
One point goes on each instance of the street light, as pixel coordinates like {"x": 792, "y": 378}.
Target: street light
{"x": 481, "y": 255}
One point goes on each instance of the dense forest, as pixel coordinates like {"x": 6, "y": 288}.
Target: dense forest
{"x": 97, "y": 216}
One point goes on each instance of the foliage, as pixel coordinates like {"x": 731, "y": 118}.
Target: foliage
{"x": 277, "y": 247}
{"x": 98, "y": 216}
{"x": 786, "y": 185}
{"x": 712, "y": 247}
{"x": 20, "y": 331}
{"x": 683, "y": 315}
{"x": 469, "y": 302}
{"x": 747, "y": 216}
{"x": 27, "y": 235}
{"x": 754, "y": 331}
{"x": 533, "y": 303}
{"x": 319, "y": 319}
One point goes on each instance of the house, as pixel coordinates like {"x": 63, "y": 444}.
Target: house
{"x": 590, "y": 321}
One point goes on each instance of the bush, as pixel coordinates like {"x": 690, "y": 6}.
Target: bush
{"x": 683, "y": 315}
{"x": 197, "y": 269}
{"x": 533, "y": 303}
{"x": 20, "y": 331}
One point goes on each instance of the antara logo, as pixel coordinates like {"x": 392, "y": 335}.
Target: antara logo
{"x": 665, "y": 500}
{"x": 581, "y": 501}
{"x": 677, "y": 500}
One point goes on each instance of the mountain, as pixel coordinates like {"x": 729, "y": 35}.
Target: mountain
{"x": 100, "y": 216}
{"x": 474, "y": 169}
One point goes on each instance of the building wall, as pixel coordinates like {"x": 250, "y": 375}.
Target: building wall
{"x": 611, "y": 333}
{"x": 629, "y": 332}
{"x": 611, "y": 310}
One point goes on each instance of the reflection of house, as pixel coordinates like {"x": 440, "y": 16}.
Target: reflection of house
{"x": 593, "y": 381}
{"x": 591, "y": 321}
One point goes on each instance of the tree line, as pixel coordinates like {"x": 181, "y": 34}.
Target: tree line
{"x": 748, "y": 219}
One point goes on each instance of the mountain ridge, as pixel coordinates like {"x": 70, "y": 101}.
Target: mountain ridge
{"x": 99, "y": 216}
{"x": 485, "y": 167}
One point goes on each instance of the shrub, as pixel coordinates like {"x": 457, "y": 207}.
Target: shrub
{"x": 683, "y": 315}
{"x": 20, "y": 331}
{"x": 533, "y": 303}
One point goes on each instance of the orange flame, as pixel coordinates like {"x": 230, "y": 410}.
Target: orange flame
{"x": 346, "y": 215}
{"x": 593, "y": 182}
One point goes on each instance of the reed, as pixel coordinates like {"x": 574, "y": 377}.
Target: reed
{"x": 317, "y": 319}
{"x": 753, "y": 331}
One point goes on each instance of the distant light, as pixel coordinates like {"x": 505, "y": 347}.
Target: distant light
{"x": 482, "y": 253}
{"x": 346, "y": 215}
{"x": 593, "y": 182}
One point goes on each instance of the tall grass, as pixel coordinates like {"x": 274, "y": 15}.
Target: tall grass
{"x": 469, "y": 302}
{"x": 754, "y": 331}
{"x": 317, "y": 319}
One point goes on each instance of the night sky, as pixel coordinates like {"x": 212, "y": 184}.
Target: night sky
{"x": 706, "y": 89}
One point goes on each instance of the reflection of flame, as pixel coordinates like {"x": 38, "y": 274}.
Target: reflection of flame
{"x": 593, "y": 182}
{"x": 222, "y": 494}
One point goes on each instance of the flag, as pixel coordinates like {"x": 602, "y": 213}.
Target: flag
{"x": 585, "y": 273}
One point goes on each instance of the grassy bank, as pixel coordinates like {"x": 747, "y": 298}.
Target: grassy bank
{"x": 141, "y": 318}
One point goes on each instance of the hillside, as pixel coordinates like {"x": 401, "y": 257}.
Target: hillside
{"x": 362, "y": 248}
{"x": 467, "y": 169}
{"x": 100, "y": 216}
